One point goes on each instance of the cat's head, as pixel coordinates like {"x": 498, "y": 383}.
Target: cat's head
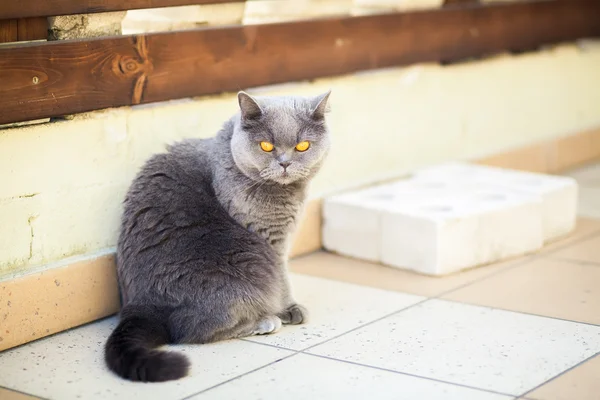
{"x": 280, "y": 139}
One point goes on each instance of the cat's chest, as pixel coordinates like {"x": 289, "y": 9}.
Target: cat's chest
{"x": 272, "y": 217}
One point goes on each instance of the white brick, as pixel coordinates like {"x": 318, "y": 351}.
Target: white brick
{"x": 448, "y": 234}
{"x": 559, "y": 193}
{"x": 451, "y": 217}
{"x": 352, "y": 229}
{"x": 432, "y": 227}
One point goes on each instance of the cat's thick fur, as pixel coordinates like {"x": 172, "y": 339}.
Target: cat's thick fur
{"x": 205, "y": 233}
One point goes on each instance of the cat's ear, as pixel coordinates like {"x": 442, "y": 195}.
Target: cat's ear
{"x": 320, "y": 105}
{"x": 249, "y": 106}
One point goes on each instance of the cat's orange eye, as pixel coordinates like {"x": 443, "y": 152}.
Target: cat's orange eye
{"x": 266, "y": 146}
{"x": 303, "y": 146}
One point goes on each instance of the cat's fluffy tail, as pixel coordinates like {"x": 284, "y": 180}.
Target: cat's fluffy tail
{"x": 131, "y": 352}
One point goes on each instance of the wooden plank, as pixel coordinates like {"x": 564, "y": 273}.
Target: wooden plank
{"x": 51, "y": 8}
{"x": 32, "y": 28}
{"x": 8, "y": 31}
{"x": 459, "y": 2}
{"x": 24, "y": 29}
{"x": 60, "y": 78}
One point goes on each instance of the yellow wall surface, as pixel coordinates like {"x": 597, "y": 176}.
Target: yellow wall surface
{"x": 62, "y": 183}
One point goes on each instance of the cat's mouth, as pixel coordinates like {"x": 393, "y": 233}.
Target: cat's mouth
{"x": 280, "y": 177}
{"x": 285, "y": 178}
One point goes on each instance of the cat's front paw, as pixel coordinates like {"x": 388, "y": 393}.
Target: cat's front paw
{"x": 294, "y": 315}
{"x": 267, "y": 325}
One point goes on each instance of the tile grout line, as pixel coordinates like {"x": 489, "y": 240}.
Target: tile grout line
{"x": 522, "y": 312}
{"x": 574, "y": 261}
{"x": 408, "y": 374}
{"x": 583, "y": 238}
{"x": 295, "y": 352}
{"x": 438, "y": 296}
{"x": 520, "y": 263}
{"x": 302, "y": 350}
{"x": 529, "y": 258}
{"x": 241, "y": 375}
{"x": 560, "y": 374}
{"x": 426, "y": 299}
{"x": 24, "y": 393}
{"x": 266, "y": 344}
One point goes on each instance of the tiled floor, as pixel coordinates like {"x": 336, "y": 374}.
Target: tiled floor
{"x": 527, "y": 328}
{"x": 589, "y": 187}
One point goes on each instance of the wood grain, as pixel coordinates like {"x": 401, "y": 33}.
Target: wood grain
{"x": 9, "y": 31}
{"x": 459, "y": 2}
{"x": 51, "y": 8}
{"x": 54, "y": 79}
{"x": 23, "y": 29}
{"x": 32, "y": 28}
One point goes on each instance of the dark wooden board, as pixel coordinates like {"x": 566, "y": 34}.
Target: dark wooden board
{"x": 32, "y": 28}
{"x": 9, "y": 30}
{"x": 77, "y": 76}
{"x": 459, "y": 2}
{"x": 24, "y": 29}
{"x": 51, "y": 8}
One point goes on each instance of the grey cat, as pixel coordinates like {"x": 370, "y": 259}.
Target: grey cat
{"x": 205, "y": 232}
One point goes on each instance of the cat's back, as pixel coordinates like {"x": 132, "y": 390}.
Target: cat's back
{"x": 172, "y": 190}
{"x": 177, "y": 179}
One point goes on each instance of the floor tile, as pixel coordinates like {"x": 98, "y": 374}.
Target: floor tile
{"x": 70, "y": 365}
{"x": 545, "y": 286}
{"x": 308, "y": 377}
{"x": 581, "y": 383}
{"x": 6, "y": 394}
{"x": 331, "y": 266}
{"x": 585, "y": 228}
{"x": 481, "y": 347}
{"x": 586, "y": 251}
{"x": 334, "y": 308}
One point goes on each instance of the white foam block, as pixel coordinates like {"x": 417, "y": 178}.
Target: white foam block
{"x": 450, "y": 218}
{"x": 558, "y": 193}
{"x": 352, "y": 229}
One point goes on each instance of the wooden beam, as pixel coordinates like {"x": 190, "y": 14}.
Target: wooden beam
{"x": 459, "y": 2}
{"x": 52, "y": 8}
{"x": 24, "y": 29}
{"x": 54, "y": 79}
{"x": 32, "y": 28}
{"x": 9, "y": 31}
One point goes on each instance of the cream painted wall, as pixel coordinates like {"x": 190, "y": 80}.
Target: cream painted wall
{"x": 62, "y": 183}
{"x": 262, "y": 11}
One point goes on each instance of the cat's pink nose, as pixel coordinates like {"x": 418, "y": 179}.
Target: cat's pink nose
{"x": 285, "y": 164}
